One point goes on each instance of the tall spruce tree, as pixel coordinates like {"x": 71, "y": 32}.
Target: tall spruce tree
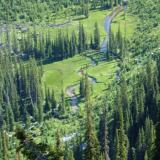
{"x": 103, "y": 135}
{"x": 59, "y": 147}
{"x": 82, "y": 87}
{"x": 156, "y": 149}
{"x": 92, "y": 151}
{"x": 121, "y": 138}
{"x": 5, "y": 154}
{"x": 96, "y": 36}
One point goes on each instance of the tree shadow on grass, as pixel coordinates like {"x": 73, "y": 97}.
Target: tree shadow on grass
{"x": 114, "y": 21}
{"x": 79, "y": 18}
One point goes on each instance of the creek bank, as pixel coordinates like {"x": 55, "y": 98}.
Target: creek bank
{"x": 107, "y": 25}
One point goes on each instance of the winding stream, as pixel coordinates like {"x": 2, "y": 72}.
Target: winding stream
{"x": 70, "y": 90}
{"x": 107, "y": 25}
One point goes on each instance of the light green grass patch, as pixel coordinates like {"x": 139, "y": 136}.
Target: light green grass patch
{"x": 60, "y": 75}
{"x": 104, "y": 72}
{"x": 96, "y": 16}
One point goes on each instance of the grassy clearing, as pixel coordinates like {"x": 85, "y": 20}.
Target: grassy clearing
{"x": 104, "y": 72}
{"x": 59, "y": 75}
{"x": 62, "y": 74}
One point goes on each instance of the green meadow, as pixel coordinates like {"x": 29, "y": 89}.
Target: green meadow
{"x": 60, "y": 75}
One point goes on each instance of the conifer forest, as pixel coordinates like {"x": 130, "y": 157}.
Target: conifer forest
{"x": 79, "y": 79}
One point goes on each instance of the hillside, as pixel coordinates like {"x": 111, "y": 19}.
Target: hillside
{"x": 79, "y": 80}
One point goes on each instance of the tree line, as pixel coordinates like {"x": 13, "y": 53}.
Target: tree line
{"x": 48, "y": 10}
{"x": 44, "y": 47}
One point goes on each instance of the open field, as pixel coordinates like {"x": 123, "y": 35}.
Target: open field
{"x": 59, "y": 75}
{"x": 104, "y": 72}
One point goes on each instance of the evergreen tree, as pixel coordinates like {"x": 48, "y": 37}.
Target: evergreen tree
{"x": 33, "y": 151}
{"x": 86, "y": 11}
{"x": 68, "y": 153}
{"x": 82, "y": 87}
{"x": 87, "y": 88}
{"x": 121, "y": 138}
{"x": 59, "y": 147}
{"x": 82, "y": 39}
{"x": 53, "y": 101}
{"x": 62, "y": 103}
{"x": 4, "y": 145}
{"x": 92, "y": 151}
{"x": 146, "y": 156}
{"x": 124, "y": 102}
{"x": 140, "y": 144}
{"x": 156, "y": 149}
{"x": 117, "y": 147}
{"x": 103, "y": 136}
{"x": 149, "y": 137}
{"x": 96, "y": 36}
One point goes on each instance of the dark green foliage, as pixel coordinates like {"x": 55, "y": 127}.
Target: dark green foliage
{"x": 152, "y": 89}
{"x": 117, "y": 44}
{"x": 82, "y": 39}
{"x": 22, "y": 94}
{"x": 156, "y": 149}
{"x": 96, "y": 37}
{"x": 92, "y": 151}
{"x": 62, "y": 103}
{"x": 4, "y": 145}
{"x": 82, "y": 87}
{"x": 35, "y": 151}
{"x": 30, "y": 10}
{"x": 132, "y": 123}
{"x": 50, "y": 101}
{"x": 59, "y": 148}
{"x": 103, "y": 135}
{"x": 34, "y": 11}
{"x": 46, "y": 48}
{"x": 121, "y": 142}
